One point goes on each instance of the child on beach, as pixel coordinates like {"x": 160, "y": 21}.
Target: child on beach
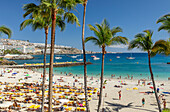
{"x": 143, "y": 102}
{"x": 119, "y": 95}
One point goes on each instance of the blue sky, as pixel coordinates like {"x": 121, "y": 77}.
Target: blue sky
{"x": 133, "y": 16}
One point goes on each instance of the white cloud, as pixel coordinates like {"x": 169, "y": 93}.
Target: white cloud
{"x": 119, "y": 46}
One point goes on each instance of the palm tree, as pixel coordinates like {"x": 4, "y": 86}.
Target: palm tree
{"x": 144, "y": 42}
{"x": 40, "y": 20}
{"x": 105, "y": 37}
{"x": 62, "y": 7}
{"x": 84, "y": 54}
{"x": 5, "y": 30}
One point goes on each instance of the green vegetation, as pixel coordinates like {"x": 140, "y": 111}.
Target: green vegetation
{"x": 166, "y": 110}
{"x": 165, "y": 21}
{"x": 105, "y": 37}
{"x": 5, "y": 30}
{"x": 12, "y": 51}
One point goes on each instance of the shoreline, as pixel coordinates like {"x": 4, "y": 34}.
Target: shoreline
{"x": 107, "y": 76}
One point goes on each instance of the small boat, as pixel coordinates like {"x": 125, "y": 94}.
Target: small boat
{"x": 73, "y": 56}
{"x": 96, "y": 58}
{"x": 93, "y": 56}
{"x": 79, "y": 59}
{"x": 130, "y": 57}
{"x": 117, "y": 56}
{"x": 58, "y": 57}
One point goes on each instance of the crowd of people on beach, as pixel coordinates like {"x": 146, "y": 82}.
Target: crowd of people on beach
{"x": 28, "y": 88}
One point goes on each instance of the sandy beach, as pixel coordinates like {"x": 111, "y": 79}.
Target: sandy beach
{"x": 131, "y": 92}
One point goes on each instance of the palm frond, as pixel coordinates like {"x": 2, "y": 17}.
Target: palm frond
{"x": 137, "y": 43}
{"x": 161, "y": 47}
{"x": 164, "y": 27}
{"x": 6, "y": 30}
{"x": 116, "y": 30}
{"x": 60, "y": 22}
{"x": 119, "y": 40}
{"x": 140, "y": 35}
{"x": 149, "y": 33}
{"x": 95, "y": 40}
{"x": 35, "y": 24}
{"x": 71, "y": 18}
{"x": 161, "y": 20}
{"x": 25, "y": 23}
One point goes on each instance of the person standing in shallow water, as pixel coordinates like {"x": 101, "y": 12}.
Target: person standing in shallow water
{"x": 119, "y": 95}
{"x": 143, "y": 102}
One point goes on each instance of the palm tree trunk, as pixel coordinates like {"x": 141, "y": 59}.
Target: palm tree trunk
{"x": 153, "y": 81}
{"x": 51, "y": 57}
{"x": 44, "y": 72}
{"x": 101, "y": 82}
{"x": 84, "y": 55}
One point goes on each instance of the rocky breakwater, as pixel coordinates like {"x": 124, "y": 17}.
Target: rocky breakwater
{"x": 6, "y": 62}
{"x": 21, "y": 57}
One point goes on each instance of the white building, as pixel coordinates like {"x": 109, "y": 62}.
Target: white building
{"x": 55, "y": 51}
{"x": 23, "y": 49}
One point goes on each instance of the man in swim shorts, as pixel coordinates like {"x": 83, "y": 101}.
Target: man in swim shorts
{"x": 143, "y": 102}
{"x": 119, "y": 95}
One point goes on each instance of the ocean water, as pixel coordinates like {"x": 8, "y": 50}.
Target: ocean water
{"x": 118, "y": 66}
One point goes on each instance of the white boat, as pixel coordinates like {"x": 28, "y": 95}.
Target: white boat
{"x": 58, "y": 57}
{"x": 130, "y": 57}
{"x": 96, "y": 58}
{"x": 79, "y": 59}
{"x": 117, "y": 56}
{"x": 73, "y": 56}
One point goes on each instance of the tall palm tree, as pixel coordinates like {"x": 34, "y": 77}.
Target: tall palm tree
{"x": 62, "y": 7}
{"x": 40, "y": 20}
{"x": 5, "y": 30}
{"x": 105, "y": 37}
{"x": 144, "y": 42}
{"x": 84, "y": 55}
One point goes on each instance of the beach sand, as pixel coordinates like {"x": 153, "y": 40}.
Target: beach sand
{"x": 131, "y": 100}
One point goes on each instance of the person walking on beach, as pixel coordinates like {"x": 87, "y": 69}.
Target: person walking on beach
{"x": 164, "y": 103}
{"x": 157, "y": 90}
{"x": 143, "y": 102}
{"x": 112, "y": 76}
{"x": 138, "y": 82}
{"x": 144, "y": 82}
{"x": 119, "y": 95}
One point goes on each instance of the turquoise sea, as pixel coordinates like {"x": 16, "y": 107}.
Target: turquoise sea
{"x": 118, "y": 66}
